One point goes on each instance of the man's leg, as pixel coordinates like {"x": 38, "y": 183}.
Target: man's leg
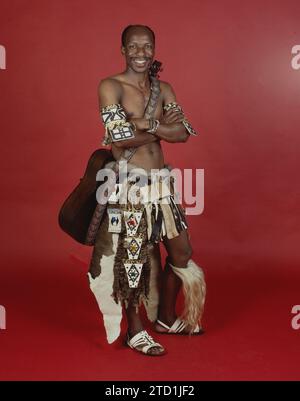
{"x": 179, "y": 252}
{"x": 135, "y": 324}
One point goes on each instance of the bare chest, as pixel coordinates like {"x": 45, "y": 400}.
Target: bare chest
{"x": 134, "y": 102}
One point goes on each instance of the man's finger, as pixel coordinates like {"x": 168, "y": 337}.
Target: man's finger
{"x": 178, "y": 112}
{"x": 178, "y": 119}
{"x": 174, "y": 118}
{"x": 172, "y": 111}
{"x": 178, "y": 116}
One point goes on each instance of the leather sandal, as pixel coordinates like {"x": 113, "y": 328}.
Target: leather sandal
{"x": 178, "y": 327}
{"x": 143, "y": 342}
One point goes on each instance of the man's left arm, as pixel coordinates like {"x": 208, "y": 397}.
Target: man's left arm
{"x": 173, "y": 126}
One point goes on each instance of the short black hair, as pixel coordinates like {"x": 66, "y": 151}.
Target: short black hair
{"x": 128, "y": 27}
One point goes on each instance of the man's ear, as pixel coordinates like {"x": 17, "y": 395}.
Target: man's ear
{"x": 123, "y": 50}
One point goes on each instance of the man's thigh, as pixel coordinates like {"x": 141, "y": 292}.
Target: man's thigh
{"x": 179, "y": 248}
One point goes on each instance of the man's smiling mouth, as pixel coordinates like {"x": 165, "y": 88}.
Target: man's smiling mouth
{"x": 140, "y": 61}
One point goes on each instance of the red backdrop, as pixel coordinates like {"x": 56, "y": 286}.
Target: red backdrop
{"x": 230, "y": 65}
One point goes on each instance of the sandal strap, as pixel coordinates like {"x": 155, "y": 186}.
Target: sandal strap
{"x": 140, "y": 337}
{"x": 163, "y": 324}
{"x": 143, "y": 339}
{"x": 147, "y": 347}
{"x": 177, "y": 327}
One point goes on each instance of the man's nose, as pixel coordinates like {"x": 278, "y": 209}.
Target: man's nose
{"x": 141, "y": 51}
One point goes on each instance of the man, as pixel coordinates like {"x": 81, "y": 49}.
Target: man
{"x": 127, "y": 93}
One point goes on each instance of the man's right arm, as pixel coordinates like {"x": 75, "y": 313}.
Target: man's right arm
{"x": 109, "y": 93}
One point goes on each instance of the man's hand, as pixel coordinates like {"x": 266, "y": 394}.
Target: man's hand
{"x": 141, "y": 124}
{"x": 169, "y": 117}
{"x": 172, "y": 116}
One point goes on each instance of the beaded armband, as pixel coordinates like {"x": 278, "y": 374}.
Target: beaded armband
{"x": 117, "y": 128}
{"x": 185, "y": 122}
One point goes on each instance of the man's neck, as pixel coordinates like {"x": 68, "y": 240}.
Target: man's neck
{"x": 140, "y": 80}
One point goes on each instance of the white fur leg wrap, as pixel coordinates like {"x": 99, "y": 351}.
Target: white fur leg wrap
{"x": 102, "y": 287}
{"x": 194, "y": 290}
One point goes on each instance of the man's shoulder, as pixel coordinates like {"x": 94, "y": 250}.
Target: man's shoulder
{"x": 164, "y": 84}
{"x": 109, "y": 83}
{"x": 166, "y": 89}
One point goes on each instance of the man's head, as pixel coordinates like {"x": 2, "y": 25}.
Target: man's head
{"x": 138, "y": 46}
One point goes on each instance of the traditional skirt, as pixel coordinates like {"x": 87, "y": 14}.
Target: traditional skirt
{"x": 125, "y": 264}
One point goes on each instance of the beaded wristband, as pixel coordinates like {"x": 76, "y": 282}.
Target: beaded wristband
{"x": 154, "y": 124}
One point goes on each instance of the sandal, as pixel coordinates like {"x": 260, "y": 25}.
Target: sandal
{"x": 142, "y": 342}
{"x": 178, "y": 328}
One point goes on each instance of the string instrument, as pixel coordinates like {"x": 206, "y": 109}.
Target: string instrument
{"x": 77, "y": 210}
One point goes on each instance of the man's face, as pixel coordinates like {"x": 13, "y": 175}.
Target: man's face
{"x": 138, "y": 50}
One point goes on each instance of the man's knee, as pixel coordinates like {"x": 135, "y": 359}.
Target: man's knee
{"x": 181, "y": 259}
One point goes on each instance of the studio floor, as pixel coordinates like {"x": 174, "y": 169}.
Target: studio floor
{"x": 55, "y": 331}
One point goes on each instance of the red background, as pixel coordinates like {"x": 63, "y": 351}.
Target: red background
{"x": 230, "y": 65}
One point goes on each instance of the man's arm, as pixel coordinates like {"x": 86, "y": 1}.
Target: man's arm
{"x": 109, "y": 93}
{"x": 174, "y": 131}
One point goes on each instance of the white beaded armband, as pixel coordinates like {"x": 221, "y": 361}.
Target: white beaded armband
{"x": 117, "y": 128}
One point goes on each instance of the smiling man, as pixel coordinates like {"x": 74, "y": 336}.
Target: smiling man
{"x": 120, "y": 266}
